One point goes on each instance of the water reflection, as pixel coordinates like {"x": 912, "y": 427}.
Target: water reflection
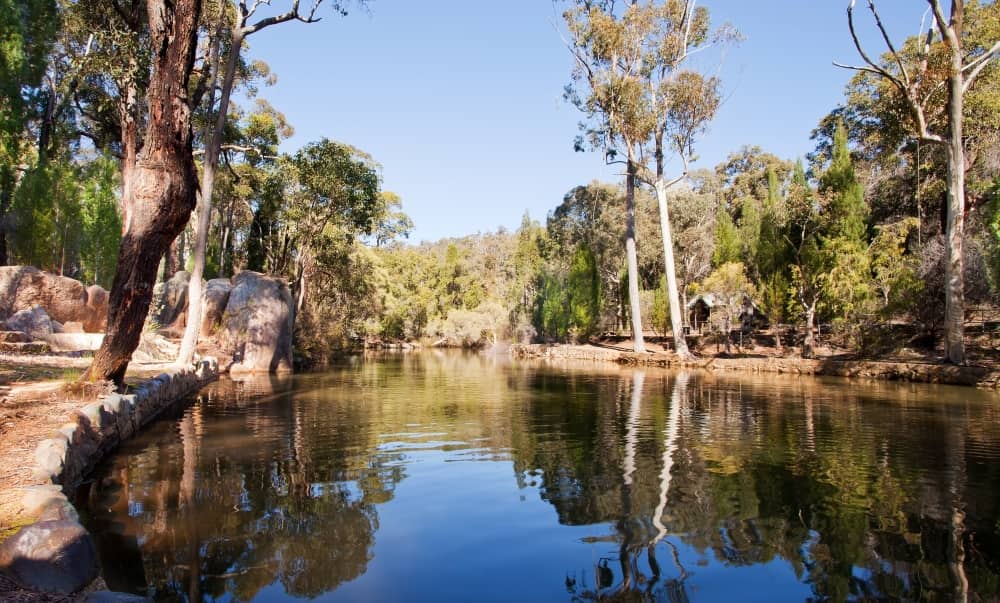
{"x": 435, "y": 477}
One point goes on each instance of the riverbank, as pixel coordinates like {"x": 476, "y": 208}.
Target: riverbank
{"x": 920, "y": 372}
{"x": 53, "y": 438}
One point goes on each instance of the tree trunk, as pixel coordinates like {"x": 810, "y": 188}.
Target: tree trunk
{"x": 162, "y": 187}
{"x": 727, "y": 329}
{"x": 638, "y": 344}
{"x": 676, "y": 313}
{"x": 170, "y": 260}
{"x": 224, "y": 249}
{"x": 130, "y": 148}
{"x": 808, "y": 342}
{"x": 954, "y": 292}
{"x": 204, "y": 218}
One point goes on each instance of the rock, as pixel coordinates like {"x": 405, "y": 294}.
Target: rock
{"x": 169, "y": 305}
{"x": 74, "y": 342}
{"x": 65, "y": 300}
{"x": 95, "y": 318}
{"x": 107, "y": 596}
{"x": 31, "y": 348}
{"x": 50, "y": 458}
{"x": 13, "y": 337}
{"x": 155, "y": 348}
{"x": 257, "y": 324}
{"x": 214, "y": 303}
{"x": 47, "y": 502}
{"x": 52, "y": 556}
{"x": 35, "y": 322}
{"x": 73, "y": 326}
{"x": 22, "y": 287}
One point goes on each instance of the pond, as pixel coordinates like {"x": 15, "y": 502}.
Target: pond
{"x": 460, "y": 477}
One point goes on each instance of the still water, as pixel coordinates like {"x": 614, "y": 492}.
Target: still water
{"x": 454, "y": 477}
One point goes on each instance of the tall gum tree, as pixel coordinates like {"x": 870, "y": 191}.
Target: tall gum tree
{"x": 919, "y": 82}
{"x": 162, "y": 187}
{"x": 682, "y": 103}
{"x": 239, "y": 25}
{"x": 644, "y": 103}
{"x": 607, "y": 87}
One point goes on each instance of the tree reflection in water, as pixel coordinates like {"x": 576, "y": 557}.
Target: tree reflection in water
{"x": 665, "y": 486}
{"x": 634, "y": 543}
{"x": 245, "y": 505}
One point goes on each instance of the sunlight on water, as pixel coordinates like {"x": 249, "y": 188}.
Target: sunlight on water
{"x": 434, "y": 476}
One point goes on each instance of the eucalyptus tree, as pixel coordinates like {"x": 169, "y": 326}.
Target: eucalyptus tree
{"x": 682, "y": 103}
{"x": 608, "y": 87}
{"x": 931, "y": 80}
{"x": 163, "y": 184}
{"x": 644, "y": 102}
{"x": 236, "y": 24}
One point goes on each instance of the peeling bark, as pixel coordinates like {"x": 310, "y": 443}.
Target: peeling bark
{"x": 161, "y": 188}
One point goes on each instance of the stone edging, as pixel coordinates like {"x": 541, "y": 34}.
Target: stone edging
{"x": 94, "y": 431}
{"x": 975, "y": 376}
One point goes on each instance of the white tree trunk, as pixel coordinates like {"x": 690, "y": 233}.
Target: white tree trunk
{"x": 954, "y": 292}
{"x": 213, "y": 144}
{"x": 632, "y": 426}
{"x": 676, "y": 311}
{"x": 638, "y": 343}
{"x": 677, "y": 399}
{"x": 808, "y": 343}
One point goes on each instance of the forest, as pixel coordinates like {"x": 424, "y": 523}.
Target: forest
{"x": 892, "y": 219}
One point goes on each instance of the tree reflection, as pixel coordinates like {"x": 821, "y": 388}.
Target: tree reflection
{"x": 747, "y": 475}
{"x": 233, "y": 506}
{"x": 871, "y": 493}
{"x": 638, "y": 534}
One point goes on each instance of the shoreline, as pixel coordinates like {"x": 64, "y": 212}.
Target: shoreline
{"x": 880, "y": 370}
{"x": 60, "y": 463}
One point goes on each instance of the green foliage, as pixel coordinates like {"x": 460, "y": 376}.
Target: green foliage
{"x": 730, "y": 287}
{"x": 773, "y": 297}
{"x": 748, "y": 232}
{"x": 848, "y": 212}
{"x": 339, "y": 186}
{"x": 101, "y": 223}
{"x": 584, "y": 288}
{"x": 569, "y": 305}
{"x": 894, "y": 272}
{"x": 727, "y": 239}
{"x": 773, "y": 254}
{"x": 659, "y": 313}
{"x": 47, "y": 218}
{"x": 551, "y": 317}
{"x": 993, "y": 224}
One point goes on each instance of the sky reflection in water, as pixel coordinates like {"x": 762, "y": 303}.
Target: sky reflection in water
{"x": 434, "y": 477}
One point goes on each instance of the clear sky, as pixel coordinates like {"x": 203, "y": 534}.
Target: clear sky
{"x": 461, "y": 100}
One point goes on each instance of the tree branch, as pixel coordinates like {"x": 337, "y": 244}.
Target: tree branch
{"x": 888, "y": 42}
{"x": 293, "y": 14}
{"x": 979, "y": 64}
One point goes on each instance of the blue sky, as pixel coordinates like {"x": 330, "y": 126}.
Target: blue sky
{"x": 461, "y": 100}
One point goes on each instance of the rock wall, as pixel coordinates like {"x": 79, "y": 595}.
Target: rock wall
{"x": 56, "y": 553}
